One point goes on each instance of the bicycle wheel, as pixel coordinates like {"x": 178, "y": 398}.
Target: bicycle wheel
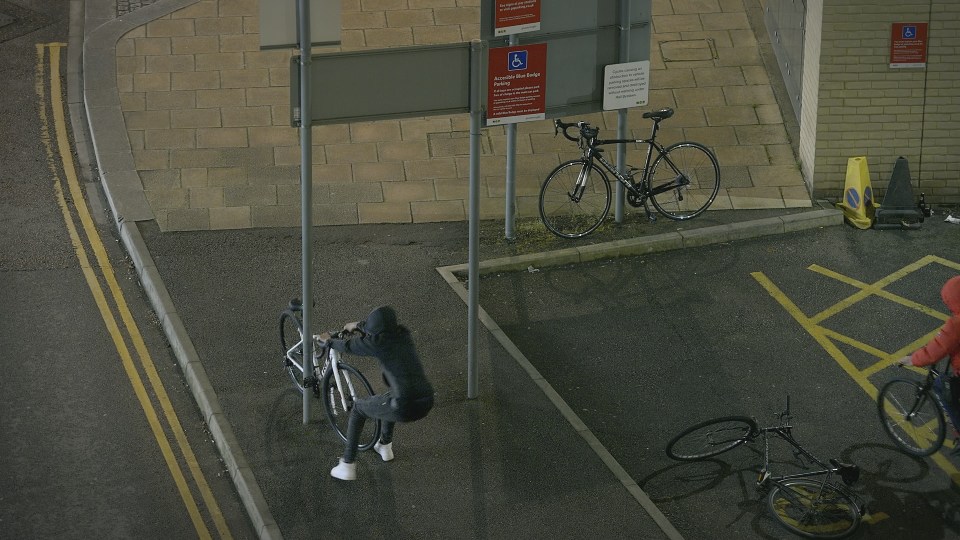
{"x": 339, "y": 397}
{"x": 911, "y": 417}
{"x": 813, "y": 509}
{"x": 569, "y": 212}
{"x": 291, "y": 339}
{"x": 711, "y": 438}
{"x": 693, "y": 170}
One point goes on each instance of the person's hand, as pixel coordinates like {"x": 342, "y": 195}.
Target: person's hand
{"x": 351, "y": 326}
{"x": 324, "y": 337}
{"x": 905, "y": 361}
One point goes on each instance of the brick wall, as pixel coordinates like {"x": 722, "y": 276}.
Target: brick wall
{"x": 207, "y": 113}
{"x": 867, "y": 108}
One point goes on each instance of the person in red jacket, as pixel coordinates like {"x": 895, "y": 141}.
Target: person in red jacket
{"x": 945, "y": 343}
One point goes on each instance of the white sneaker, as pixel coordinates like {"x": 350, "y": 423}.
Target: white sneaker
{"x": 385, "y": 450}
{"x": 344, "y": 471}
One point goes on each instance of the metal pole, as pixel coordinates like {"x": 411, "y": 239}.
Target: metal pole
{"x": 622, "y": 113}
{"x": 511, "y": 188}
{"x": 473, "y": 264}
{"x": 306, "y": 197}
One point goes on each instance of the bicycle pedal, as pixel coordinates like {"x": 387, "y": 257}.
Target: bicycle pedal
{"x": 763, "y": 477}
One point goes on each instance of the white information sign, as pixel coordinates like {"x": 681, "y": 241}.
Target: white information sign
{"x": 626, "y": 85}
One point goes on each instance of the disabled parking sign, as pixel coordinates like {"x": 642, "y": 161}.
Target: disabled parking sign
{"x": 908, "y": 45}
{"x": 517, "y": 84}
{"x": 517, "y": 61}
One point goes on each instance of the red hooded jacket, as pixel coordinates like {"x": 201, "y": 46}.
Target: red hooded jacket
{"x": 947, "y": 341}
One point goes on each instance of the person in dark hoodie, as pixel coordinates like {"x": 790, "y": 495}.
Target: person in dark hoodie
{"x": 410, "y": 396}
{"x": 945, "y": 343}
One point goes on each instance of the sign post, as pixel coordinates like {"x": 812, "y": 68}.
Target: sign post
{"x": 473, "y": 260}
{"x": 512, "y": 17}
{"x": 306, "y": 198}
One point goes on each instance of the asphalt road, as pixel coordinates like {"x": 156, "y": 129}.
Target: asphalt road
{"x": 79, "y": 455}
{"x": 643, "y": 347}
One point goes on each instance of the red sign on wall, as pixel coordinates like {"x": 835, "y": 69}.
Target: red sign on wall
{"x": 517, "y": 84}
{"x": 908, "y": 45}
{"x": 515, "y": 16}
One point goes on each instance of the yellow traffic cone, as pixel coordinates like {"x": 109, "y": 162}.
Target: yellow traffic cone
{"x": 857, "y": 203}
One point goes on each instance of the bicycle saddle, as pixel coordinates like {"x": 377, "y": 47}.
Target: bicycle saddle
{"x": 662, "y": 114}
{"x": 849, "y": 472}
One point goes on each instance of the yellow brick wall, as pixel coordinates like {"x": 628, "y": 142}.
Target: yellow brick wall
{"x": 207, "y": 114}
{"x": 868, "y": 109}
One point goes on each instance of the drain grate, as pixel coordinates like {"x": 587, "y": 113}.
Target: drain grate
{"x": 16, "y": 21}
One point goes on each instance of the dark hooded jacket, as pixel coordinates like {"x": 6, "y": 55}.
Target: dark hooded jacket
{"x": 392, "y": 345}
{"x": 947, "y": 341}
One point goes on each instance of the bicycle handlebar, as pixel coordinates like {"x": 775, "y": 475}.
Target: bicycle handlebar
{"x": 559, "y": 124}
{"x": 586, "y": 132}
{"x": 336, "y": 334}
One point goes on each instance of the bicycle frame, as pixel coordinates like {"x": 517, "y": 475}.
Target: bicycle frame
{"x": 332, "y": 361}
{"x": 783, "y": 431}
{"x": 591, "y": 153}
{"x": 291, "y": 357}
{"x": 641, "y": 189}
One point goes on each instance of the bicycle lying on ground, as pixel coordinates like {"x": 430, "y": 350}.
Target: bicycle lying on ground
{"x": 338, "y": 384}
{"x": 812, "y": 508}
{"x": 682, "y": 181}
{"x": 915, "y": 413}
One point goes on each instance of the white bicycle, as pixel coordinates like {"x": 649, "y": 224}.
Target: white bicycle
{"x": 337, "y": 383}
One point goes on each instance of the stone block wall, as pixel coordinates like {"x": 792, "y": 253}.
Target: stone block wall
{"x": 868, "y": 109}
{"x": 208, "y": 117}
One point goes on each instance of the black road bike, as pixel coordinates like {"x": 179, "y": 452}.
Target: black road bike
{"x": 681, "y": 180}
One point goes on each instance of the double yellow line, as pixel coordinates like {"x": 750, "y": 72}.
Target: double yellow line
{"x": 63, "y": 156}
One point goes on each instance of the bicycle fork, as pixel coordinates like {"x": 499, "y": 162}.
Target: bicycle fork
{"x": 340, "y": 378}
{"x": 764, "y": 473}
{"x": 581, "y": 185}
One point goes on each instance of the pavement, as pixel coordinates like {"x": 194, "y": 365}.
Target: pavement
{"x": 515, "y": 461}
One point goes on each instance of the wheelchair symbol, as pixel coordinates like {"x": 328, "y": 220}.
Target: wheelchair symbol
{"x": 909, "y": 32}
{"x": 516, "y": 60}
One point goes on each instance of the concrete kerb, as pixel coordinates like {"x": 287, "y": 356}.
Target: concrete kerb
{"x": 637, "y": 246}
{"x": 650, "y": 244}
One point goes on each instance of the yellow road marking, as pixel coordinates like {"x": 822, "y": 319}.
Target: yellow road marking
{"x": 817, "y": 332}
{"x": 876, "y": 289}
{"x": 875, "y": 517}
{"x": 108, "y": 316}
{"x": 827, "y": 338}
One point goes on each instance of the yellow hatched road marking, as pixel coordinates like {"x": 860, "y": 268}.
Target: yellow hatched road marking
{"x": 146, "y": 361}
{"x": 826, "y": 337}
{"x": 874, "y": 289}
